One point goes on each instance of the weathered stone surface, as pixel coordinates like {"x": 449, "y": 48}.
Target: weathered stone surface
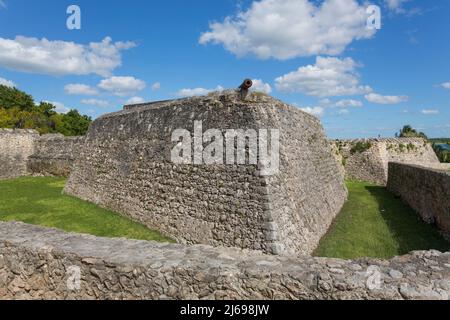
{"x": 16, "y": 146}
{"x": 372, "y": 164}
{"x": 54, "y": 155}
{"x": 125, "y": 166}
{"x": 39, "y": 263}
{"x": 425, "y": 190}
{"x": 25, "y": 152}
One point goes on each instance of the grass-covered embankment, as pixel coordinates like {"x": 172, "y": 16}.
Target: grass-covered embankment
{"x": 374, "y": 223}
{"x": 40, "y": 201}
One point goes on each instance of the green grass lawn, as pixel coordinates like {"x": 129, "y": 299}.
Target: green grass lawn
{"x": 374, "y": 223}
{"x": 40, "y": 201}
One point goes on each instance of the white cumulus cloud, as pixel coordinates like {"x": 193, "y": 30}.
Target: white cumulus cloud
{"x": 446, "y": 85}
{"x": 60, "y": 107}
{"x": 346, "y": 103}
{"x": 327, "y": 77}
{"x": 95, "y": 102}
{"x": 135, "y": 100}
{"x": 261, "y": 86}
{"x": 80, "y": 89}
{"x": 197, "y": 91}
{"x": 315, "y": 111}
{"x": 44, "y": 56}
{"x": 7, "y": 83}
{"x": 156, "y": 86}
{"x": 122, "y": 86}
{"x": 285, "y": 29}
{"x": 380, "y": 99}
{"x": 430, "y": 111}
{"x": 395, "y": 5}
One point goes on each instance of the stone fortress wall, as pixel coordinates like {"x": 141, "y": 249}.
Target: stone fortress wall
{"x": 16, "y": 146}
{"x": 425, "y": 190}
{"x": 40, "y": 263}
{"x": 125, "y": 160}
{"x": 371, "y": 163}
{"x": 25, "y": 152}
{"x": 125, "y": 166}
{"x": 54, "y": 155}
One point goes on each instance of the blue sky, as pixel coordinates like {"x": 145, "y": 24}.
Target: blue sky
{"x": 317, "y": 55}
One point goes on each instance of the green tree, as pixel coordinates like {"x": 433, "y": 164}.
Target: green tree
{"x": 11, "y": 98}
{"x": 409, "y": 132}
{"x": 73, "y": 124}
{"x": 18, "y": 111}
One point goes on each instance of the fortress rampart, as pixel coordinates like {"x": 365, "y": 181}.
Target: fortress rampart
{"x": 40, "y": 263}
{"x": 25, "y": 152}
{"x": 16, "y": 146}
{"x": 367, "y": 159}
{"x": 125, "y": 165}
{"x": 54, "y": 155}
{"x": 425, "y": 190}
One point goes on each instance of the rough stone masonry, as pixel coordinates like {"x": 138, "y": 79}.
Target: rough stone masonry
{"x": 425, "y": 190}
{"x": 371, "y": 164}
{"x": 24, "y": 152}
{"x": 125, "y": 165}
{"x": 40, "y": 263}
{"x": 16, "y": 146}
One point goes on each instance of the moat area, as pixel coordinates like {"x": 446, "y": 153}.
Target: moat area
{"x": 372, "y": 223}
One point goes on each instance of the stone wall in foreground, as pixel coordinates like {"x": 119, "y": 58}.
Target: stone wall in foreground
{"x": 16, "y": 146}
{"x": 125, "y": 165}
{"x": 371, "y": 164}
{"x": 39, "y": 263}
{"x": 425, "y": 190}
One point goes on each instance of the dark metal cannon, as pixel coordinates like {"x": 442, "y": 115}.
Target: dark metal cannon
{"x": 244, "y": 87}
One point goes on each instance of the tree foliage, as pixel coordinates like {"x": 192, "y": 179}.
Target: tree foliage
{"x": 19, "y": 111}
{"x": 409, "y": 132}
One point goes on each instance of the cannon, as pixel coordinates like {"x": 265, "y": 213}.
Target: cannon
{"x": 244, "y": 87}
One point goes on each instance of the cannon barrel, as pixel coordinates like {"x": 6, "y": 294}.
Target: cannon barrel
{"x": 247, "y": 84}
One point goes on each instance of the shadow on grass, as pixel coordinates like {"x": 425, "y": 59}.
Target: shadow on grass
{"x": 405, "y": 225}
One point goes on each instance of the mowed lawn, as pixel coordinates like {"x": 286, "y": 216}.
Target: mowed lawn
{"x": 374, "y": 223}
{"x": 40, "y": 201}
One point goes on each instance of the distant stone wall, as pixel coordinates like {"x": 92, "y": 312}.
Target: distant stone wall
{"x": 125, "y": 166}
{"x": 25, "y": 152}
{"x": 425, "y": 190}
{"x": 39, "y": 263}
{"x": 372, "y": 164}
{"x": 54, "y": 155}
{"x": 16, "y": 146}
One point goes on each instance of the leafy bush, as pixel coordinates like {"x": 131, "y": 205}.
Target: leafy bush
{"x": 411, "y": 147}
{"x": 18, "y": 111}
{"x": 360, "y": 147}
{"x": 409, "y": 132}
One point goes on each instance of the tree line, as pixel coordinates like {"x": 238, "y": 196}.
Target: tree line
{"x": 19, "y": 111}
{"x": 440, "y": 146}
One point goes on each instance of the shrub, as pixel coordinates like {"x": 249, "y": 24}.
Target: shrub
{"x": 360, "y": 147}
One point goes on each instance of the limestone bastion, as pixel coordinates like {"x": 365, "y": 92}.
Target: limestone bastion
{"x": 125, "y": 165}
{"x": 24, "y": 152}
{"x": 368, "y": 159}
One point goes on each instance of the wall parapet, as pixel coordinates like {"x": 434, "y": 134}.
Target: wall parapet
{"x": 54, "y": 155}
{"x": 24, "y": 152}
{"x": 16, "y": 146}
{"x": 42, "y": 263}
{"x": 426, "y": 190}
{"x": 367, "y": 159}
